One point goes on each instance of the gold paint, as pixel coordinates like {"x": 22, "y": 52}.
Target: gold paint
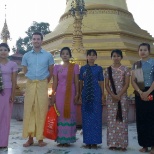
{"x": 108, "y": 25}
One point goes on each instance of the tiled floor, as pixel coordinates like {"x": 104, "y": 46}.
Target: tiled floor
{"x": 16, "y": 141}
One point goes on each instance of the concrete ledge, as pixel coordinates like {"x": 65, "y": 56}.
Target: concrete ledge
{"x": 18, "y": 110}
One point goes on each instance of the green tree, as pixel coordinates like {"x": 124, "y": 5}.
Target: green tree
{"x": 24, "y": 44}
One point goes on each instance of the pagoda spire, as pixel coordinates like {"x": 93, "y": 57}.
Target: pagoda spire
{"x": 5, "y": 34}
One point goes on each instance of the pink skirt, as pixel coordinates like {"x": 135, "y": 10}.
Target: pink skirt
{"x": 5, "y": 117}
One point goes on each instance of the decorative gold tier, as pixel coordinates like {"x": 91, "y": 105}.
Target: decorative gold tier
{"x": 108, "y": 25}
{"x": 21, "y": 84}
{"x": 112, "y": 3}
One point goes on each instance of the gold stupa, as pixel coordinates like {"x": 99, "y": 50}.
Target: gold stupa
{"x": 108, "y": 25}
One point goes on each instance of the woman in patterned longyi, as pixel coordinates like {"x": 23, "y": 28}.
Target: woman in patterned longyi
{"x": 117, "y": 105}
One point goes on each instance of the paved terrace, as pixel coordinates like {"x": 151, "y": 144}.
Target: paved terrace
{"x": 16, "y": 141}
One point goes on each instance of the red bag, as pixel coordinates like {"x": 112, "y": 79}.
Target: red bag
{"x": 50, "y": 128}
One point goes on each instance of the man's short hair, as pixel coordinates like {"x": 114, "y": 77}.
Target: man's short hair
{"x": 38, "y": 33}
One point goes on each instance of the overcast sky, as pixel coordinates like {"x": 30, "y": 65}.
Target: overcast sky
{"x": 21, "y": 13}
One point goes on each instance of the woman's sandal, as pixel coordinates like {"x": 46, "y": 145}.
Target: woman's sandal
{"x": 123, "y": 149}
{"x": 152, "y": 150}
{"x": 66, "y": 145}
{"x": 87, "y": 146}
{"x": 60, "y": 145}
{"x": 3, "y": 147}
{"x": 144, "y": 149}
{"x": 28, "y": 144}
{"x": 94, "y": 146}
{"x": 42, "y": 144}
{"x": 112, "y": 148}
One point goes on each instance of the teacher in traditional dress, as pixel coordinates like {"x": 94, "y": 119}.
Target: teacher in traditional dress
{"x": 65, "y": 95}
{"x": 8, "y": 78}
{"x": 143, "y": 83}
{"x": 117, "y": 78}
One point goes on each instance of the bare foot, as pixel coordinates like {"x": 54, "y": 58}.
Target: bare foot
{"x": 144, "y": 149}
{"x": 28, "y": 143}
{"x": 41, "y": 143}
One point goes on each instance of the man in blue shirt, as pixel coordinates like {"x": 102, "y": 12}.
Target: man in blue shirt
{"x": 38, "y": 68}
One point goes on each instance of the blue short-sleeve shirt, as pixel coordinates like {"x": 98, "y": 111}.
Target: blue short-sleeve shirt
{"x": 37, "y": 64}
{"x": 148, "y": 72}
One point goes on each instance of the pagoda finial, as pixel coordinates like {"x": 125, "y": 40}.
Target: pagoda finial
{"x": 5, "y": 34}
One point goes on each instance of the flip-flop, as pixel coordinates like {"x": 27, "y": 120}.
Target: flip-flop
{"x": 28, "y": 144}
{"x": 42, "y": 144}
{"x": 60, "y": 145}
{"x": 123, "y": 149}
{"x": 87, "y": 146}
{"x": 66, "y": 145}
{"x": 152, "y": 151}
{"x": 112, "y": 148}
{"x": 3, "y": 147}
{"x": 144, "y": 149}
{"x": 94, "y": 146}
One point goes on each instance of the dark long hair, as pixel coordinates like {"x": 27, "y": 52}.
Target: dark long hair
{"x": 145, "y": 44}
{"x": 118, "y": 52}
{"x": 5, "y": 45}
{"x": 68, "y": 49}
{"x": 91, "y": 51}
{"x": 1, "y": 80}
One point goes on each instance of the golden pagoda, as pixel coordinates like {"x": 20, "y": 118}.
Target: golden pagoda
{"x": 107, "y": 25}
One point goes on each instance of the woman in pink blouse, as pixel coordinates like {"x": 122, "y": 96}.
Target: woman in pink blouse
{"x": 8, "y": 75}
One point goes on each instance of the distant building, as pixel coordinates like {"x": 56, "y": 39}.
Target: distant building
{"x": 17, "y": 57}
{"x": 5, "y": 36}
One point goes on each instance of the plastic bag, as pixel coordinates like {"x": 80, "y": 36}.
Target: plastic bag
{"x": 50, "y": 127}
